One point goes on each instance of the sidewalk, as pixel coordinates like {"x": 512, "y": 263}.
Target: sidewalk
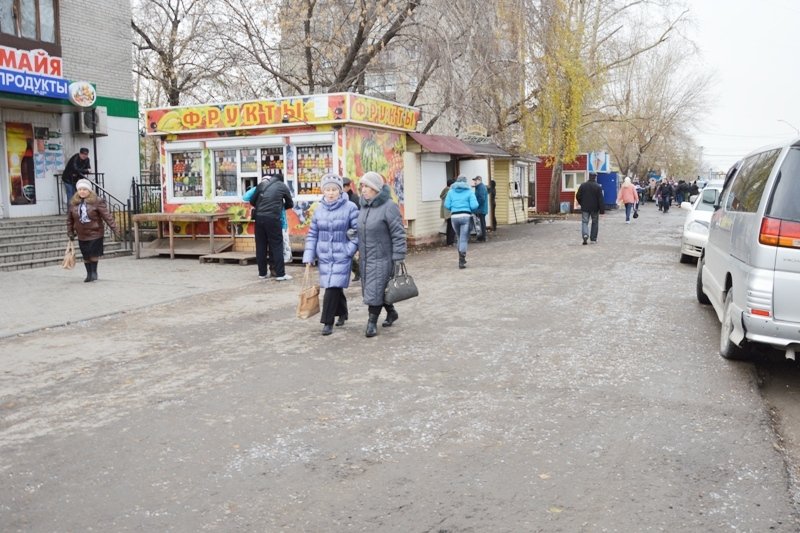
{"x": 51, "y": 297}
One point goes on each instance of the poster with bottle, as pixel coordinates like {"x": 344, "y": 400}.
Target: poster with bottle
{"x": 21, "y": 170}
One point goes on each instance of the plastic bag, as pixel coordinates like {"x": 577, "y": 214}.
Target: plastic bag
{"x": 69, "y": 256}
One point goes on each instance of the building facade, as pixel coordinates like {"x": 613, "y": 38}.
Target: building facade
{"x": 65, "y": 83}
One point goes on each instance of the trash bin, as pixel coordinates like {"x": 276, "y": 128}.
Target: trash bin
{"x": 564, "y": 208}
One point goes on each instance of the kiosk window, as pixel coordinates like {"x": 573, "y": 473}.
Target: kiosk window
{"x": 187, "y": 176}
{"x": 225, "y": 173}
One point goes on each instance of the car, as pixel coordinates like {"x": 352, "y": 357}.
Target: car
{"x": 749, "y": 270}
{"x": 695, "y": 227}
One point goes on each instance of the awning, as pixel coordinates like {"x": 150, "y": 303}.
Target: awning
{"x": 441, "y": 144}
{"x": 488, "y": 149}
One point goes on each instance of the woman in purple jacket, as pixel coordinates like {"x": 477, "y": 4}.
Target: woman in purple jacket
{"x": 332, "y": 241}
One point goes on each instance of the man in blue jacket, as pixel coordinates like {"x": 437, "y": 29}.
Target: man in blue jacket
{"x": 482, "y": 195}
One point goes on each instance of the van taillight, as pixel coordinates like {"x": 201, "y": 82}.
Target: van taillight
{"x": 777, "y": 232}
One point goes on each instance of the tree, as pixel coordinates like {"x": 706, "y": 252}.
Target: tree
{"x": 177, "y": 49}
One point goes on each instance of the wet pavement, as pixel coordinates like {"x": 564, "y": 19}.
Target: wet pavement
{"x": 549, "y": 386}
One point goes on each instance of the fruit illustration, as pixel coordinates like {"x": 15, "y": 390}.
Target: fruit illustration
{"x": 171, "y": 121}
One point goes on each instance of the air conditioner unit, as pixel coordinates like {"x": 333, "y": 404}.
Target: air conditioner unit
{"x": 97, "y": 116}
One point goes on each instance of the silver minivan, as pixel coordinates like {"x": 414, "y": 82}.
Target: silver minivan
{"x": 750, "y": 268}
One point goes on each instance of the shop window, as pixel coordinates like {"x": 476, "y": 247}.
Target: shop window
{"x": 312, "y": 163}
{"x": 187, "y": 175}
{"x": 30, "y": 24}
{"x": 248, "y": 168}
{"x": 570, "y": 181}
{"x": 225, "y": 173}
{"x": 518, "y": 181}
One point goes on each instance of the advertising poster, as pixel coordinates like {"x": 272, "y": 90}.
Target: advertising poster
{"x": 21, "y": 168}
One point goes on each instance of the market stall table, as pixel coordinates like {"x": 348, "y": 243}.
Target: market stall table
{"x": 193, "y": 246}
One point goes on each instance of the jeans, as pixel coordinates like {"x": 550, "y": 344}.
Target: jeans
{"x": 461, "y": 227}
{"x": 595, "y": 217}
{"x": 628, "y": 209}
{"x": 69, "y": 190}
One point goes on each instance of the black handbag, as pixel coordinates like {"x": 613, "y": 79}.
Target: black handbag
{"x": 401, "y": 286}
{"x": 636, "y": 214}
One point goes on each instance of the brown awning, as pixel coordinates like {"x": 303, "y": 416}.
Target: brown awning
{"x": 441, "y": 144}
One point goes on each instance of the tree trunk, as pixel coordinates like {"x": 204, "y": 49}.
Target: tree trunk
{"x": 555, "y": 186}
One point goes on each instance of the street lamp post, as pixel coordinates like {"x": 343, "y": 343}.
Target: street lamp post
{"x": 790, "y": 125}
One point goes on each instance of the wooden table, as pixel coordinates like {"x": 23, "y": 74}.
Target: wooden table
{"x": 170, "y": 219}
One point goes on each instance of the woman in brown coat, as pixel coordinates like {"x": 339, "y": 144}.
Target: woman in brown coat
{"x": 87, "y": 211}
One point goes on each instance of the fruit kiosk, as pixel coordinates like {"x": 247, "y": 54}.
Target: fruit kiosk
{"x": 211, "y": 154}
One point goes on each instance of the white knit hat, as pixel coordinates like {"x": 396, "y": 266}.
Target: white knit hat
{"x": 332, "y": 179}
{"x": 83, "y": 184}
{"x": 373, "y": 180}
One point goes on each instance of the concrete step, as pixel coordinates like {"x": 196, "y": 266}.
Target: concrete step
{"x": 23, "y": 264}
{"x": 29, "y": 228}
{"x": 33, "y": 241}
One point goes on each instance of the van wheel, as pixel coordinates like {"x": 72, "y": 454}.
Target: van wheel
{"x": 727, "y": 348}
{"x": 701, "y": 297}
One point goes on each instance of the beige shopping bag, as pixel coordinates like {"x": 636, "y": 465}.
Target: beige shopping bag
{"x": 308, "y": 305}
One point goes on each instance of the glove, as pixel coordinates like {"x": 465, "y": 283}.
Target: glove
{"x": 351, "y": 234}
{"x": 71, "y": 236}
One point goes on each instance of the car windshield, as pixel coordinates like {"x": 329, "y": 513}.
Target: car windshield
{"x": 708, "y": 197}
{"x": 784, "y": 203}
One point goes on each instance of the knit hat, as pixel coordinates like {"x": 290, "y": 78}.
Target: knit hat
{"x": 373, "y": 180}
{"x": 462, "y": 178}
{"x": 83, "y": 184}
{"x": 84, "y": 150}
{"x": 331, "y": 179}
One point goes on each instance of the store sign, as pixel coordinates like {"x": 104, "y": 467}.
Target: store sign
{"x": 32, "y": 72}
{"x": 383, "y": 113}
{"x": 284, "y": 112}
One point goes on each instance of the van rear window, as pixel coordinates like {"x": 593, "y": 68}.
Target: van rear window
{"x": 785, "y": 201}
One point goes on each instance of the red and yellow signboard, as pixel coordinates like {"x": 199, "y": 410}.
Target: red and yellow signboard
{"x": 306, "y": 110}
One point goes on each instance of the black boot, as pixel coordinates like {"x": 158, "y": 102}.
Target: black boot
{"x": 88, "y": 272}
{"x": 391, "y": 316}
{"x": 94, "y": 270}
{"x": 372, "y": 326}
{"x": 342, "y": 319}
{"x": 327, "y": 329}
{"x": 462, "y": 260}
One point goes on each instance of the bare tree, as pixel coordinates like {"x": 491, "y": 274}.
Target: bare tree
{"x": 177, "y": 49}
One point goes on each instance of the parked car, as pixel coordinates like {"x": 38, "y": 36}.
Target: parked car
{"x": 750, "y": 267}
{"x": 695, "y": 227}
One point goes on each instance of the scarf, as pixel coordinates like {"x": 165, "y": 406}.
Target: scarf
{"x": 84, "y": 215}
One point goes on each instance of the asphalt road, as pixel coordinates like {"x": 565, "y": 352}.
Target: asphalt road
{"x": 550, "y": 386}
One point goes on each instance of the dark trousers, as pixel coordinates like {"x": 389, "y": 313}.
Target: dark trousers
{"x": 334, "y": 303}
{"x": 269, "y": 235}
{"x": 449, "y": 232}
{"x": 376, "y": 309}
{"x": 482, "y": 229}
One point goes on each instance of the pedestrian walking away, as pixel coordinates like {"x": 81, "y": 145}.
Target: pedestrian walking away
{"x": 271, "y": 199}
{"x": 450, "y": 234}
{"x": 461, "y": 202}
{"x": 629, "y": 197}
{"x": 77, "y": 168}
{"x": 85, "y": 218}
{"x": 381, "y": 245}
{"x": 332, "y": 241}
{"x": 482, "y": 195}
{"x": 590, "y": 197}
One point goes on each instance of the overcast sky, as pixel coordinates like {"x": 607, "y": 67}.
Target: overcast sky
{"x": 751, "y": 47}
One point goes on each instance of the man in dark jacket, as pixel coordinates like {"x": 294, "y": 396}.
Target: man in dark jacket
{"x": 272, "y": 196}
{"x": 590, "y": 196}
{"x": 482, "y": 195}
{"x": 77, "y": 168}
